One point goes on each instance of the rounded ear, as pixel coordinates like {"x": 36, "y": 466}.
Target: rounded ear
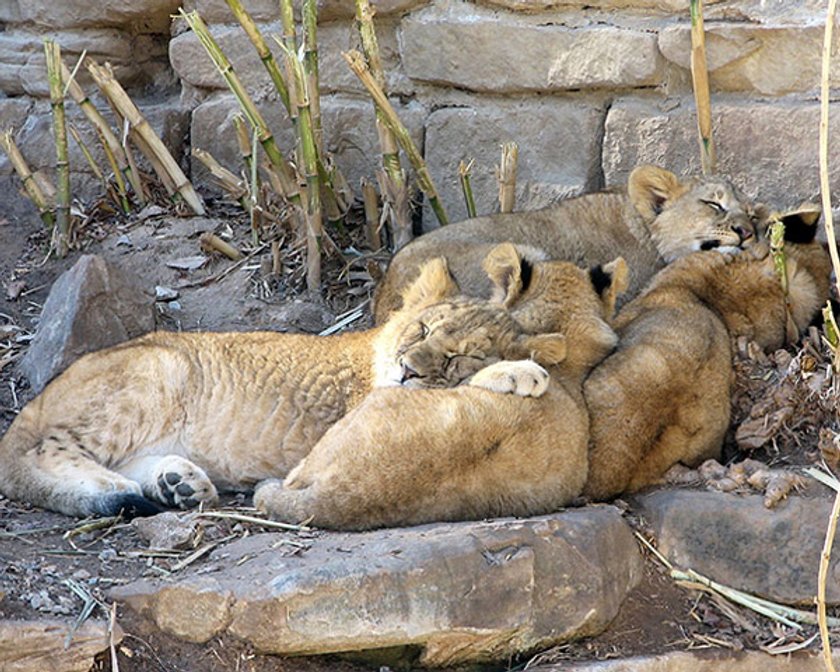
{"x": 610, "y": 281}
{"x": 650, "y": 187}
{"x": 801, "y": 223}
{"x": 508, "y": 271}
{"x": 545, "y": 349}
{"x": 432, "y": 285}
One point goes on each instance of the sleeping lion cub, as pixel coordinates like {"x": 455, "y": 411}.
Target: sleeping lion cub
{"x": 170, "y": 417}
{"x": 410, "y": 456}
{"x": 656, "y": 219}
{"x": 661, "y": 397}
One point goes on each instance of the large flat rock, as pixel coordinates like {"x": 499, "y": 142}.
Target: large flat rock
{"x": 42, "y": 645}
{"x": 460, "y": 592}
{"x": 704, "y": 661}
{"x": 735, "y": 540}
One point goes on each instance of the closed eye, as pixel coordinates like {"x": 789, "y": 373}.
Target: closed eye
{"x": 714, "y": 205}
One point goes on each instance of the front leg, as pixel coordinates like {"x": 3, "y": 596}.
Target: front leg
{"x": 524, "y": 378}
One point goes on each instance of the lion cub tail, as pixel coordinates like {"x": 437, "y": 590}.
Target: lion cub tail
{"x": 56, "y": 472}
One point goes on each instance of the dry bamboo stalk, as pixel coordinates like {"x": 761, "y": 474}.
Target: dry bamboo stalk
{"x": 30, "y": 184}
{"x": 276, "y": 259}
{"x": 424, "y": 179}
{"x": 232, "y": 184}
{"x": 301, "y": 97}
{"x": 387, "y": 140}
{"x": 118, "y": 175}
{"x": 246, "y": 103}
{"x": 87, "y": 154}
{"x": 825, "y": 187}
{"x": 700, "y": 80}
{"x": 507, "y": 176}
{"x": 244, "y": 142}
{"x": 825, "y": 559}
{"x": 157, "y": 151}
{"x": 396, "y": 197}
{"x": 110, "y": 143}
{"x": 210, "y": 241}
{"x": 464, "y": 170}
{"x": 267, "y": 58}
{"x": 52, "y": 53}
{"x": 374, "y": 240}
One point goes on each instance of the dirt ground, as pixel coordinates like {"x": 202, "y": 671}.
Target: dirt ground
{"x": 50, "y": 563}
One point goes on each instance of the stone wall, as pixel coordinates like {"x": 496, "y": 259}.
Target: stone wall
{"x": 587, "y": 88}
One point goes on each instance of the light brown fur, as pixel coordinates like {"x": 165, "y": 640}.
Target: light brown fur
{"x": 658, "y": 218}
{"x": 663, "y": 396}
{"x": 174, "y": 416}
{"x": 411, "y": 456}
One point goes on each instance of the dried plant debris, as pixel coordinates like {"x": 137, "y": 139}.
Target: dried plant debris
{"x": 741, "y": 477}
{"x": 785, "y": 405}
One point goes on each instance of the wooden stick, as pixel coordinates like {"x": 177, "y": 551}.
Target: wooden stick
{"x": 157, "y": 153}
{"x": 52, "y": 53}
{"x": 210, "y": 241}
{"x": 110, "y": 143}
{"x": 825, "y": 559}
{"x": 700, "y": 80}
{"x": 464, "y": 170}
{"x": 33, "y": 189}
{"x": 507, "y": 176}
{"x": 374, "y": 240}
{"x": 424, "y": 179}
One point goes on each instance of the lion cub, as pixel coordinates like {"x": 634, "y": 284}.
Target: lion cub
{"x": 656, "y": 219}
{"x": 410, "y": 456}
{"x": 663, "y": 396}
{"x": 170, "y": 417}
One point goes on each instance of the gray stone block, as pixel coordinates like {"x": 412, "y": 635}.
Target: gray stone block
{"x": 462, "y": 592}
{"x": 93, "y": 305}
{"x": 769, "y": 148}
{"x": 558, "y": 151}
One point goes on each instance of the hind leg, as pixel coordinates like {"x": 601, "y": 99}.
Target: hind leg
{"x": 171, "y": 480}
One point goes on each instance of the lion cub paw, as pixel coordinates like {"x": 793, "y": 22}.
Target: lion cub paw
{"x": 180, "y": 483}
{"x": 524, "y": 377}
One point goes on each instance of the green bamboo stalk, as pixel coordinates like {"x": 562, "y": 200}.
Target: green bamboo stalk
{"x": 33, "y": 189}
{"x": 97, "y": 171}
{"x": 424, "y": 179}
{"x": 110, "y": 143}
{"x": 267, "y": 58}
{"x": 776, "y": 232}
{"x": 309, "y": 15}
{"x": 157, "y": 153}
{"x": 507, "y": 176}
{"x": 700, "y": 80}
{"x": 464, "y": 171}
{"x": 246, "y": 103}
{"x": 289, "y": 41}
{"x": 52, "y": 52}
{"x": 301, "y": 97}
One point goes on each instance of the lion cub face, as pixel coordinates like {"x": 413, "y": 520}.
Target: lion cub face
{"x": 449, "y": 342}
{"x": 702, "y": 214}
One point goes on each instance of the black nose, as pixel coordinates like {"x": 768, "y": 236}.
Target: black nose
{"x": 407, "y": 373}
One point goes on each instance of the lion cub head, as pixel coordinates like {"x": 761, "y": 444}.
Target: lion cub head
{"x": 706, "y": 213}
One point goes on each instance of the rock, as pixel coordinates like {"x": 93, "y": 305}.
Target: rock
{"x": 671, "y": 6}
{"x": 193, "y": 66}
{"x": 461, "y": 592}
{"x": 217, "y": 11}
{"x": 142, "y": 16}
{"x": 769, "y": 59}
{"x": 707, "y": 661}
{"x": 349, "y": 127}
{"x": 167, "y": 530}
{"x": 489, "y": 51}
{"x": 38, "y": 646}
{"x": 768, "y": 148}
{"x": 306, "y": 316}
{"x": 544, "y": 130}
{"x": 91, "y": 306}
{"x": 736, "y": 541}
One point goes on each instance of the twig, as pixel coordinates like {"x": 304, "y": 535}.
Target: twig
{"x": 507, "y": 176}
{"x": 700, "y": 80}
{"x": 204, "y": 550}
{"x": 91, "y": 526}
{"x": 252, "y": 519}
{"x": 464, "y": 172}
{"x": 211, "y": 241}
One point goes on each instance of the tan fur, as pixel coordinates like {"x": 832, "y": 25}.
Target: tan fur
{"x": 174, "y": 416}
{"x": 663, "y": 397}
{"x": 658, "y": 218}
{"x": 404, "y": 457}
